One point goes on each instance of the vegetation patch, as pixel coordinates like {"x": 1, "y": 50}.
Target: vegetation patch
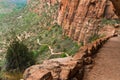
{"x": 38, "y": 35}
{"x": 105, "y": 21}
{"x": 18, "y": 57}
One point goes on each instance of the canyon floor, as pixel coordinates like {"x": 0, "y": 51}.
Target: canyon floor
{"x": 107, "y": 62}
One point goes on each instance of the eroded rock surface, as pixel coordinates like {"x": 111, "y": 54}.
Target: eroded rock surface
{"x": 80, "y": 18}
{"x": 116, "y": 4}
{"x": 54, "y": 69}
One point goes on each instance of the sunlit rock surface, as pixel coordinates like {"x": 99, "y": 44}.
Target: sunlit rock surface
{"x": 80, "y": 18}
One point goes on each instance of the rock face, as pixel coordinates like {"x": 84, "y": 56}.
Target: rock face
{"x": 69, "y": 68}
{"x": 109, "y": 11}
{"x": 116, "y": 4}
{"x": 56, "y": 69}
{"x": 80, "y": 18}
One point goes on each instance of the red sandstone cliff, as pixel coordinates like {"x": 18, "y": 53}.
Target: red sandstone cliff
{"x": 80, "y": 18}
{"x": 116, "y": 4}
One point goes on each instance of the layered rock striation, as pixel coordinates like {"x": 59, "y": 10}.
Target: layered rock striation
{"x": 80, "y": 18}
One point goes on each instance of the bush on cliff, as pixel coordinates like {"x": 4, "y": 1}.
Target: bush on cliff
{"x": 18, "y": 57}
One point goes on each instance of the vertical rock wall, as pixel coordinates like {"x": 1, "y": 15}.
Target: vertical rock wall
{"x": 116, "y": 4}
{"x": 109, "y": 11}
{"x": 80, "y": 18}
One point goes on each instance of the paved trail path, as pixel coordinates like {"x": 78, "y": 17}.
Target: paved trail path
{"x": 107, "y": 62}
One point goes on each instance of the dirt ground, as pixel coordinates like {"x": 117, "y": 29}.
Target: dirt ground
{"x": 107, "y": 62}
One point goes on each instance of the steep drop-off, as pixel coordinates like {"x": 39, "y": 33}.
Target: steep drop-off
{"x": 36, "y": 30}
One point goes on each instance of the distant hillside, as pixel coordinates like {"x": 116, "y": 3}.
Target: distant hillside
{"x": 19, "y": 3}
{"x": 7, "y": 6}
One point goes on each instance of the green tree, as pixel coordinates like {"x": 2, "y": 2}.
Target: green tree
{"x": 18, "y": 57}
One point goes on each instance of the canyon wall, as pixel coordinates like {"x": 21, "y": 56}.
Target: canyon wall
{"x": 116, "y": 4}
{"x": 80, "y": 18}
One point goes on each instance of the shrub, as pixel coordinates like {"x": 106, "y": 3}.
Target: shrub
{"x": 18, "y": 57}
{"x": 63, "y": 55}
{"x": 94, "y": 37}
{"x": 41, "y": 50}
{"x": 105, "y": 21}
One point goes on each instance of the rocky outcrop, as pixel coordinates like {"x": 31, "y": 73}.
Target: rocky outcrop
{"x": 109, "y": 11}
{"x": 69, "y": 68}
{"x": 116, "y": 4}
{"x": 55, "y": 69}
{"x": 80, "y": 18}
